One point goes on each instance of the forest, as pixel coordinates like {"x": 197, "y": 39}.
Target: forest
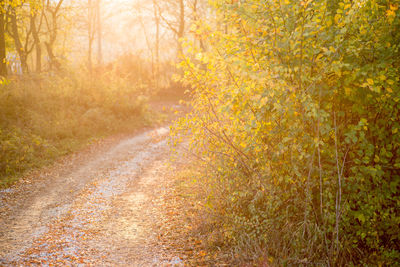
{"x": 66, "y": 81}
{"x": 291, "y": 125}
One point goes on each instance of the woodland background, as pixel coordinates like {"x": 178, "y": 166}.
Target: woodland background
{"x": 75, "y": 71}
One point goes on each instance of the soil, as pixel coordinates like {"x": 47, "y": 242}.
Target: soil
{"x": 100, "y": 206}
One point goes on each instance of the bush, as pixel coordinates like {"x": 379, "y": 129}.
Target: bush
{"x": 296, "y": 118}
{"x": 21, "y": 150}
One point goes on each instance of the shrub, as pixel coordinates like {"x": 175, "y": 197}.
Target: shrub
{"x": 296, "y": 118}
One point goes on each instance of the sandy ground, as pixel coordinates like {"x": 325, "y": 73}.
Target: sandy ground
{"x": 95, "y": 207}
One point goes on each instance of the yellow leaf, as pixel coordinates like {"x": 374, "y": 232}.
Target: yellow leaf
{"x": 390, "y": 13}
{"x": 382, "y": 77}
{"x": 389, "y": 90}
{"x": 391, "y": 82}
{"x": 337, "y": 18}
{"x": 370, "y": 81}
{"x": 202, "y": 253}
{"x": 363, "y": 30}
{"x": 394, "y": 7}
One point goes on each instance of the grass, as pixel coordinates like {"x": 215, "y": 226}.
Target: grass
{"x": 44, "y": 118}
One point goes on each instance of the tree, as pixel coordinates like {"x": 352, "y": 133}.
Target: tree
{"x": 157, "y": 42}
{"x": 21, "y": 50}
{"x": 94, "y": 29}
{"x": 35, "y": 33}
{"x": 91, "y": 33}
{"x": 3, "y": 65}
{"x": 99, "y": 33}
{"x": 172, "y": 13}
{"x": 52, "y": 10}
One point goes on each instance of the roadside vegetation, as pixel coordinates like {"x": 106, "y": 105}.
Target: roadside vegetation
{"x": 72, "y": 72}
{"x": 295, "y": 125}
{"x": 43, "y": 118}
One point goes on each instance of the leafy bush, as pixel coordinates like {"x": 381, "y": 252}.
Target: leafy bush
{"x": 21, "y": 150}
{"x": 296, "y": 118}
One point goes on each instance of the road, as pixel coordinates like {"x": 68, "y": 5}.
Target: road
{"x": 95, "y": 207}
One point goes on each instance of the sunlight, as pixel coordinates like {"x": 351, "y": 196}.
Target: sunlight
{"x": 200, "y": 132}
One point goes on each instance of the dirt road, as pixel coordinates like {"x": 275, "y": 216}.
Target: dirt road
{"x": 93, "y": 208}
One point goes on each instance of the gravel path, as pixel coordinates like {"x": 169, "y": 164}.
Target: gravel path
{"x": 93, "y": 208}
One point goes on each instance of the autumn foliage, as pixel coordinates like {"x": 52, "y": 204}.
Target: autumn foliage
{"x": 296, "y": 121}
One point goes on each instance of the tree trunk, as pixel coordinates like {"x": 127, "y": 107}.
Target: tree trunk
{"x": 99, "y": 34}
{"x": 38, "y": 47}
{"x": 53, "y": 60}
{"x": 18, "y": 46}
{"x": 53, "y": 28}
{"x": 157, "y": 44}
{"x": 181, "y": 28}
{"x": 91, "y": 19}
{"x": 3, "y": 65}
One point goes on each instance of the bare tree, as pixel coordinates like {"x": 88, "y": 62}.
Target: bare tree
{"x": 35, "y": 34}
{"x": 94, "y": 29}
{"x": 157, "y": 42}
{"x": 3, "y": 65}
{"x": 52, "y": 27}
{"x": 99, "y": 33}
{"x": 91, "y": 32}
{"x": 139, "y": 8}
{"x": 174, "y": 20}
{"x": 181, "y": 28}
{"x": 21, "y": 50}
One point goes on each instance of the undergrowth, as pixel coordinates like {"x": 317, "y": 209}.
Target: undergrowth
{"x": 42, "y": 118}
